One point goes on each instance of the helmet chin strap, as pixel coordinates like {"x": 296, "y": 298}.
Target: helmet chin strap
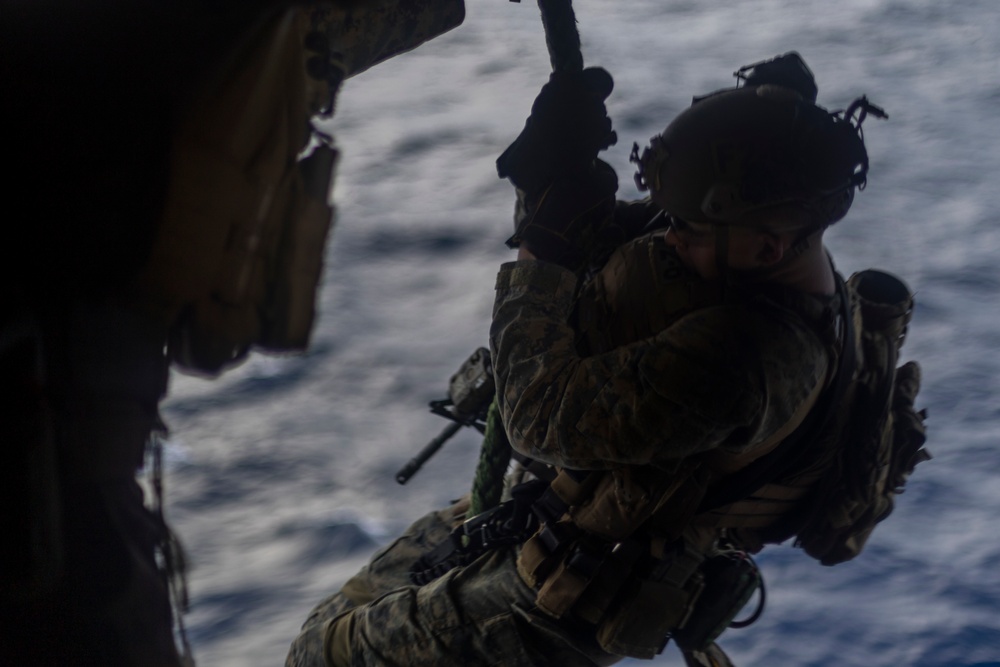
{"x": 729, "y": 278}
{"x": 722, "y": 253}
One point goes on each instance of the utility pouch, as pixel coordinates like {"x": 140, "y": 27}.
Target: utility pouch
{"x": 535, "y": 560}
{"x": 559, "y": 566}
{"x": 615, "y": 573}
{"x": 883, "y": 440}
{"x": 562, "y": 589}
{"x": 541, "y": 553}
{"x": 730, "y": 580}
{"x": 652, "y": 607}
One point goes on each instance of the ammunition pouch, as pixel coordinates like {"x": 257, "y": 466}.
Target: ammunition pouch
{"x": 609, "y": 553}
{"x": 653, "y": 605}
{"x": 729, "y": 580}
{"x": 637, "y": 594}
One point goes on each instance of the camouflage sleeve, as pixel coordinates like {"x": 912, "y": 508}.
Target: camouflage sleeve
{"x": 363, "y": 33}
{"x": 715, "y": 378}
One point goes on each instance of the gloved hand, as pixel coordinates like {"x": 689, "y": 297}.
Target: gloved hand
{"x": 572, "y": 220}
{"x": 567, "y": 128}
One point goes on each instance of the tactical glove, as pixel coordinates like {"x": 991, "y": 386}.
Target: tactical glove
{"x": 572, "y": 220}
{"x": 567, "y": 128}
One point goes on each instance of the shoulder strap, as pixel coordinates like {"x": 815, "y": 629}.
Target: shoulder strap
{"x": 782, "y": 458}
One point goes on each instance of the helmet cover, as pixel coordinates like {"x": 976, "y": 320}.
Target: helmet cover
{"x": 757, "y": 146}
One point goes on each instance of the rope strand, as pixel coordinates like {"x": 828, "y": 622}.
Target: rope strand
{"x": 487, "y": 487}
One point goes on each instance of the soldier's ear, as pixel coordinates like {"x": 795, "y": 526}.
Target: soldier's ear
{"x": 771, "y": 248}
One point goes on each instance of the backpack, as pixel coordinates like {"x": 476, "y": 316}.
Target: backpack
{"x": 881, "y": 441}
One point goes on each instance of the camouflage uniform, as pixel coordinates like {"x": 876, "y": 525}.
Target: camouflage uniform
{"x": 650, "y": 387}
{"x": 634, "y": 370}
{"x": 481, "y": 614}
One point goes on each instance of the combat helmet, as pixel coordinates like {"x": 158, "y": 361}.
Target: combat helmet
{"x": 763, "y": 143}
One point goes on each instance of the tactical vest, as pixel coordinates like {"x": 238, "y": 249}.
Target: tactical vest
{"x": 634, "y": 552}
{"x": 238, "y": 255}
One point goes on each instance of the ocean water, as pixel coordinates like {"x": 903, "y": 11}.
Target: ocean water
{"x": 280, "y": 474}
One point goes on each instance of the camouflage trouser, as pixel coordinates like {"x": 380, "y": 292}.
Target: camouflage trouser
{"x": 481, "y": 614}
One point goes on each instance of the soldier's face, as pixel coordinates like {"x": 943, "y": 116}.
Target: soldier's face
{"x": 695, "y": 245}
{"x": 748, "y": 247}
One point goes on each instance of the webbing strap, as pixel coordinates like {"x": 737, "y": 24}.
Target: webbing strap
{"x": 508, "y": 523}
{"x": 750, "y": 479}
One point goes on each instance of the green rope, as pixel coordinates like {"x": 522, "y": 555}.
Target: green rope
{"x": 487, "y": 487}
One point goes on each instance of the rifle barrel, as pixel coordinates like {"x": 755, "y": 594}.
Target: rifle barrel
{"x": 410, "y": 469}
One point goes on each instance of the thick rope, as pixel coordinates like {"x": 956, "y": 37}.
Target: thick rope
{"x": 487, "y": 487}
{"x": 561, "y": 35}
{"x": 563, "y": 41}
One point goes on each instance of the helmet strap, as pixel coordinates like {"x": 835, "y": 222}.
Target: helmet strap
{"x": 722, "y": 253}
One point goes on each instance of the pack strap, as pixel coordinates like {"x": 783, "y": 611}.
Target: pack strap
{"x": 786, "y": 455}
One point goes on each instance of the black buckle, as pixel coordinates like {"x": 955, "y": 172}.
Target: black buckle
{"x": 501, "y": 526}
{"x": 555, "y": 536}
{"x": 585, "y": 562}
